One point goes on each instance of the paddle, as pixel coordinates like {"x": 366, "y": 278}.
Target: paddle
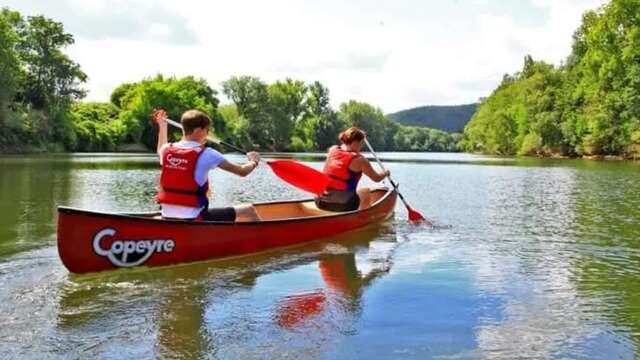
{"x": 301, "y": 176}
{"x": 414, "y": 215}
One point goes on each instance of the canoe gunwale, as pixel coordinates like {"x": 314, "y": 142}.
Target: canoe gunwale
{"x": 144, "y": 216}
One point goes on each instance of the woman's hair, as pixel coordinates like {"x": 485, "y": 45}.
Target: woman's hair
{"x": 193, "y": 119}
{"x": 352, "y": 134}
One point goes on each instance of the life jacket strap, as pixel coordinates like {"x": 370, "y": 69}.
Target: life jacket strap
{"x": 178, "y": 191}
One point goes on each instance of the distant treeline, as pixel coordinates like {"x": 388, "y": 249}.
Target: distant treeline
{"x": 40, "y": 89}
{"x": 590, "y": 105}
{"x": 451, "y": 118}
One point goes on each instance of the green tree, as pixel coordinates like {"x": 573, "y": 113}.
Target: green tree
{"x": 10, "y": 72}
{"x": 367, "y": 118}
{"x": 322, "y": 121}
{"x": 588, "y": 106}
{"x": 95, "y": 126}
{"x": 52, "y": 78}
{"x": 46, "y": 83}
{"x": 119, "y": 93}
{"x": 287, "y": 105}
{"x": 175, "y": 95}
{"x": 251, "y": 97}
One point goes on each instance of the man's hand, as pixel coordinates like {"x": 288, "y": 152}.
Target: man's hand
{"x": 253, "y": 156}
{"x": 160, "y": 117}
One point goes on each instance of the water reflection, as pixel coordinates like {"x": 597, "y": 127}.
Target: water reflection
{"x": 608, "y": 214}
{"x": 190, "y": 311}
{"x": 542, "y": 261}
{"x": 29, "y": 194}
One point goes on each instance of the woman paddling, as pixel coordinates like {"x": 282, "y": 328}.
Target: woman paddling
{"x": 344, "y": 166}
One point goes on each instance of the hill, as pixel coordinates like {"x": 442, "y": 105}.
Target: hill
{"x": 448, "y": 118}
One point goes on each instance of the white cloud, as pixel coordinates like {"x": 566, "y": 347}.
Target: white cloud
{"x": 392, "y": 54}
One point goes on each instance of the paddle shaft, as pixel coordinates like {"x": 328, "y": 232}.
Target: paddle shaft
{"x": 211, "y": 138}
{"x": 395, "y": 186}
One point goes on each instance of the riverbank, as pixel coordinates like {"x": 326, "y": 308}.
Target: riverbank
{"x": 56, "y": 148}
{"x": 141, "y": 149}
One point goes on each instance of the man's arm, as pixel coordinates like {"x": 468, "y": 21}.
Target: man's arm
{"x": 241, "y": 170}
{"x": 160, "y": 117}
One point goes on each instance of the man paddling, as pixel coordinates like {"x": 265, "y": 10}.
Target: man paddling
{"x": 185, "y": 172}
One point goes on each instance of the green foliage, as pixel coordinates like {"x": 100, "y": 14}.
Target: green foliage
{"x": 447, "y": 118}
{"x": 10, "y": 72}
{"x": 95, "y": 125}
{"x": 237, "y": 126}
{"x": 368, "y": 118}
{"x": 39, "y": 108}
{"x": 589, "y": 106}
{"x": 38, "y": 81}
{"x": 287, "y": 105}
{"x": 251, "y": 97}
{"x": 413, "y": 138}
{"x": 174, "y": 95}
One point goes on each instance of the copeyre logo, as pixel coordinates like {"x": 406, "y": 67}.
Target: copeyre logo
{"x": 127, "y": 253}
{"x": 177, "y": 162}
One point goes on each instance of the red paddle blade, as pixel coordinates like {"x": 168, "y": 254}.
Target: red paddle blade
{"x": 414, "y": 215}
{"x": 301, "y": 176}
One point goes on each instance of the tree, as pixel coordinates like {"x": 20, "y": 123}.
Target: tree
{"x": 95, "y": 126}
{"x": 367, "y": 118}
{"x": 588, "y": 106}
{"x": 51, "y": 79}
{"x": 287, "y": 105}
{"x": 10, "y": 72}
{"x": 251, "y": 97}
{"x": 119, "y": 93}
{"x": 175, "y": 95}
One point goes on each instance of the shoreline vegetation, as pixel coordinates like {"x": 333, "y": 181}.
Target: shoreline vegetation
{"x": 41, "y": 108}
{"x": 588, "y": 107}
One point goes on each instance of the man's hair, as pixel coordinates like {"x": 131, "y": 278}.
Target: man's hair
{"x": 193, "y": 119}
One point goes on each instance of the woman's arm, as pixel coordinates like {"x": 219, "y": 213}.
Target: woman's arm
{"x": 362, "y": 164}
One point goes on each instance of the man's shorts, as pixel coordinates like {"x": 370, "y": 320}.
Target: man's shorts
{"x": 219, "y": 214}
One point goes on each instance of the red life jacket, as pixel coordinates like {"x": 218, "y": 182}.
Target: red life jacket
{"x": 178, "y": 184}
{"x": 337, "y": 168}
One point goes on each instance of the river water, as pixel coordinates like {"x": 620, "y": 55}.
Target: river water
{"x": 531, "y": 259}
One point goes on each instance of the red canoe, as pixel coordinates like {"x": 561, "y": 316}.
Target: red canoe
{"x": 91, "y": 241}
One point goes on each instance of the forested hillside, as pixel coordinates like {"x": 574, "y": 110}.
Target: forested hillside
{"x": 590, "y": 105}
{"x": 448, "y": 118}
{"x": 41, "y": 89}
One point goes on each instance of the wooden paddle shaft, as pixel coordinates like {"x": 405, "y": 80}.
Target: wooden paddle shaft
{"x": 211, "y": 138}
{"x": 395, "y": 186}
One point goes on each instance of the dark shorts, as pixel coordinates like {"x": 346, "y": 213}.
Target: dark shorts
{"x": 219, "y": 214}
{"x": 335, "y": 200}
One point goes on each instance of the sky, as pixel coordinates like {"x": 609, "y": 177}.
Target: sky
{"x": 392, "y": 54}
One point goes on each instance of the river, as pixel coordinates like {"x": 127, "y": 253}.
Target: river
{"x": 530, "y": 259}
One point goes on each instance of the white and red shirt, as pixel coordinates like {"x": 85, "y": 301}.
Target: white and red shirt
{"x": 208, "y": 160}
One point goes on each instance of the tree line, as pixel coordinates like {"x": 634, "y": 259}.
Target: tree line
{"x": 41, "y": 89}
{"x": 589, "y": 105}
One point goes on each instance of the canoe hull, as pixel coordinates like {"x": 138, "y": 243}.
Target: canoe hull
{"x": 92, "y": 241}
